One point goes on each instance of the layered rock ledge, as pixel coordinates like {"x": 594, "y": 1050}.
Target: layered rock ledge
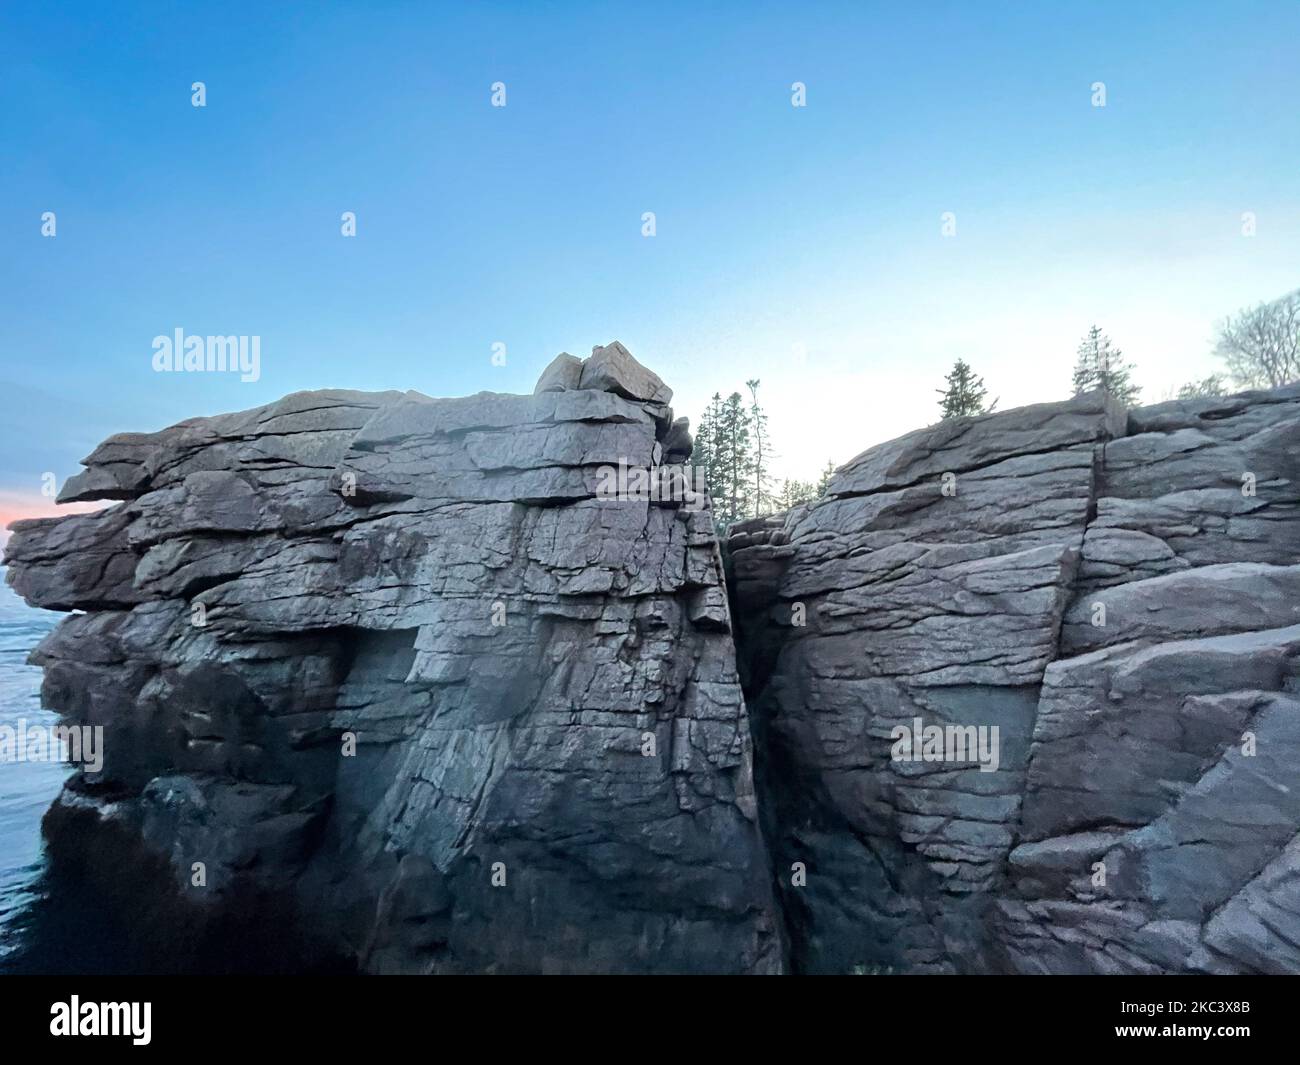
{"x": 1118, "y": 592}
{"x": 387, "y": 665}
{"x": 397, "y": 674}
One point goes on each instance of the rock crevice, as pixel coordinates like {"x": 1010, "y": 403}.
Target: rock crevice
{"x": 399, "y": 665}
{"x": 1115, "y": 593}
{"x": 403, "y": 672}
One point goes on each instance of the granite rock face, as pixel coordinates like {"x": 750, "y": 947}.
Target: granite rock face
{"x": 1020, "y": 693}
{"x": 1117, "y": 594}
{"x": 395, "y": 667}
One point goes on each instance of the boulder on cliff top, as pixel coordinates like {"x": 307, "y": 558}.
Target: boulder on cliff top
{"x": 562, "y": 375}
{"x": 613, "y": 369}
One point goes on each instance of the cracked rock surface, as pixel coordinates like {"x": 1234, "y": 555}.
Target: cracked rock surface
{"x": 388, "y": 664}
{"x": 1118, "y": 593}
{"x": 397, "y": 672}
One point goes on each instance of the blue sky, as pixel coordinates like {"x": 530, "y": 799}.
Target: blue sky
{"x": 798, "y": 245}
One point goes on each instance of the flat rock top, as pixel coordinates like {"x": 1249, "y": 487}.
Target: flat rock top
{"x": 609, "y": 386}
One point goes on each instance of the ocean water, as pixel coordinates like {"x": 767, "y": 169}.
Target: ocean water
{"x": 26, "y": 788}
{"x": 51, "y": 922}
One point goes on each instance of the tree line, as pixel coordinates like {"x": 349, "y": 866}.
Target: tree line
{"x": 1260, "y": 348}
{"x": 734, "y": 449}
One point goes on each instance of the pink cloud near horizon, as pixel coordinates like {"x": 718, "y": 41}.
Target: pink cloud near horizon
{"x": 18, "y": 506}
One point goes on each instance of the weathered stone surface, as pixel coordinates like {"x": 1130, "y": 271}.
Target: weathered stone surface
{"x": 1200, "y": 482}
{"x": 962, "y": 444}
{"x": 393, "y": 666}
{"x": 612, "y": 369}
{"x": 387, "y": 664}
{"x": 562, "y": 374}
{"x": 1119, "y": 599}
{"x": 1205, "y": 601}
{"x": 679, "y": 443}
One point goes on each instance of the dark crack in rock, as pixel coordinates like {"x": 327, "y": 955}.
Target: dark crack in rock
{"x": 398, "y": 672}
{"x": 1119, "y": 596}
{"x": 390, "y": 665}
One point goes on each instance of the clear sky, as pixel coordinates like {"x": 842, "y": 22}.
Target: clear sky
{"x": 802, "y": 246}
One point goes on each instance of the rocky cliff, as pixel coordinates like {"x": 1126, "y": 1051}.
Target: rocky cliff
{"x": 391, "y": 667}
{"x": 406, "y": 675}
{"x": 1117, "y": 594}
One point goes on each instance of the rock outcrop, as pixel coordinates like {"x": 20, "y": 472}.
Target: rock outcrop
{"x": 1117, "y": 595}
{"x": 395, "y": 668}
{"x": 1024, "y": 689}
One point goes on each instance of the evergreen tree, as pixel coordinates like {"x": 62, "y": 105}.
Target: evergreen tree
{"x": 733, "y": 449}
{"x": 704, "y": 451}
{"x": 965, "y": 393}
{"x": 793, "y": 492}
{"x": 825, "y": 481}
{"x": 1101, "y": 365}
{"x": 761, "y": 452}
{"x": 735, "y": 462}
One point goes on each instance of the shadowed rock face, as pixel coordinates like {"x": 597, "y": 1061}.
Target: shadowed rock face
{"x": 1119, "y": 596}
{"x": 389, "y": 664}
{"x": 398, "y": 673}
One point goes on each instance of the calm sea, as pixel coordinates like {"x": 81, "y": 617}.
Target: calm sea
{"x": 58, "y": 925}
{"x": 26, "y": 788}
